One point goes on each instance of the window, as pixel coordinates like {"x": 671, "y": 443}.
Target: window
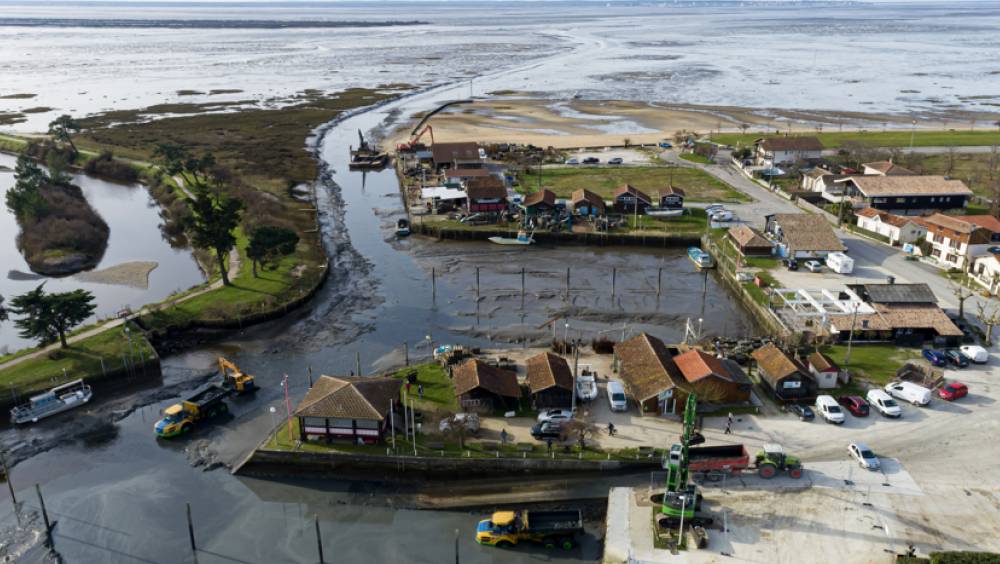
{"x": 879, "y": 200}
{"x": 900, "y": 200}
{"x": 314, "y": 421}
{"x": 935, "y": 253}
{"x": 366, "y": 423}
{"x": 348, "y": 423}
{"x": 938, "y": 238}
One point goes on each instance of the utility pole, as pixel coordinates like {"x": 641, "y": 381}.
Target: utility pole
{"x": 850, "y": 336}
{"x": 576, "y": 364}
{"x": 10, "y": 485}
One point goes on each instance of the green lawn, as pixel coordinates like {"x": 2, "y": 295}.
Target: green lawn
{"x": 698, "y": 185}
{"x": 79, "y": 360}
{"x": 439, "y": 390}
{"x": 898, "y": 138}
{"x": 766, "y": 263}
{"x": 875, "y": 362}
{"x": 693, "y": 222}
{"x": 696, "y": 158}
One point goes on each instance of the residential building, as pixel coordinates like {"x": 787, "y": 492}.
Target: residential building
{"x": 585, "y": 202}
{"x": 802, "y": 235}
{"x": 456, "y": 155}
{"x": 784, "y": 376}
{"x": 824, "y": 370}
{"x": 885, "y": 168}
{"x": 714, "y": 380}
{"x": 898, "y": 229}
{"x": 486, "y": 195}
{"x": 626, "y": 197}
{"x": 671, "y": 198}
{"x": 955, "y": 240}
{"x": 465, "y": 174}
{"x": 539, "y": 203}
{"x": 906, "y": 314}
{"x": 906, "y": 194}
{"x": 776, "y": 151}
{"x": 650, "y": 377}
{"x": 750, "y": 242}
{"x": 352, "y": 409}
{"x": 550, "y": 381}
{"x": 986, "y": 271}
{"x": 484, "y": 388}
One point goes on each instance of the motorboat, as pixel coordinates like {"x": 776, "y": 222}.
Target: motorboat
{"x": 523, "y": 238}
{"x": 657, "y": 212}
{"x": 57, "y": 400}
{"x": 402, "y": 227}
{"x": 700, "y": 258}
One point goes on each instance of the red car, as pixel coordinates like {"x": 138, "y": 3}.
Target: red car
{"x": 953, "y": 390}
{"x": 855, "y": 404}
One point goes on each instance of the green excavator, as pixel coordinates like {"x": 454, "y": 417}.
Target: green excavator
{"x": 682, "y": 499}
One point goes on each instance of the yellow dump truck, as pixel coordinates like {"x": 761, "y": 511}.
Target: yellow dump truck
{"x": 548, "y": 528}
{"x": 181, "y": 418}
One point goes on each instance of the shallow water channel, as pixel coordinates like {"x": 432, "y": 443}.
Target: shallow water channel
{"x": 134, "y": 220}
{"x": 119, "y": 494}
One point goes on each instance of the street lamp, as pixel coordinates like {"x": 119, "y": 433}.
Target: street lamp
{"x": 566, "y": 332}
{"x": 430, "y": 344}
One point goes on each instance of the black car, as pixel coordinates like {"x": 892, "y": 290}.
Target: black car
{"x": 804, "y": 412}
{"x": 591, "y": 160}
{"x": 791, "y": 264}
{"x": 547, "y": 430}
{"x": 956, "y": 358}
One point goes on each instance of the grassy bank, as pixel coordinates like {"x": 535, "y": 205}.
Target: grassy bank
{"x": 900, "y": 138}
{"x": 692, "y": 223}
{"x": 874, "y": 362}
{"x": 698, "y": 185}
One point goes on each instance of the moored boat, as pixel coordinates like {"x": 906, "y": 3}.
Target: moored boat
{"x": 523, "y": 238}
{"x": 654, "y": 212}
{"x": 402, "y": 227}
{"x": 700, "y": 258}
{"x": 57, "y": 400}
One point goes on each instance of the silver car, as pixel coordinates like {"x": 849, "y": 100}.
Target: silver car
{"x": 865, "y": 456}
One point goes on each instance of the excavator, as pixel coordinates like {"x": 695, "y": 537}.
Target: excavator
{"x": 682, "y": 499}
{"x": 235, "y": 379}
{"x": 411, "y": 145}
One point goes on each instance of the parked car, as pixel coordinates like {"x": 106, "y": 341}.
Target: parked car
{"x": 573, "y": 161}
{"x": 803, "y": 412}
{"x": 864, "y": 455}
{"x": 814, "y": 265}
{"x": 790, "y": 264}
{"x": 547, "y": 430}
{"x": 586, "y": 387}
{"x": 712, "y": 208}
{"x": 937, "y": 358}
{"x": 957, "y": 358}
{"x": 953, "y": 391}
{"x": 855, "y": 404}
{"x": 975, "y": 353}
{"x": 468, "y": 420}
{"x": 616, "y": 396}
{"x": 591, "y": 160}
{"x": 908, "y": 391}
{"x": 666, "y": 145}
{"x": 883, "y": 403}
{"x": 722, "y": 215}
{"x": 616, "y": 161}
{"x": 829, "y": 409}
{"x": 554, "y": 415}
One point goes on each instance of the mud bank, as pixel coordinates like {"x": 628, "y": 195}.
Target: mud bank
{"x": 596, "y": 239}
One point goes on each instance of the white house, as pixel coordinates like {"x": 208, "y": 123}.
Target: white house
{"x": 955, "y": 239}
{"x": 886, "y": 168}
{"x": 899, "y": 229}
{"x": 986, "y": 271}
{"x": 775, "y": 151}
{"x": 824, "y": 370}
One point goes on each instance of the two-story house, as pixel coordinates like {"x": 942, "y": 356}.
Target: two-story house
{"x": 774, "y": 151}
{"x": 955, "y": 240}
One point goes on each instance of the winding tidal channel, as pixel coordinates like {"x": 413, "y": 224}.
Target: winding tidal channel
{"x": 118, "y": 494}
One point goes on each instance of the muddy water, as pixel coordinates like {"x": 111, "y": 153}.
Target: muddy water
{"x": 135, "y": 235}
{"x": 120, "y": 495}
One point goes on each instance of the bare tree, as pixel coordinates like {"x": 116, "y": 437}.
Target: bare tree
{"x": 989, "y": 315}
{"x": 628, "y": 142}
{"x": 950, "y": 161}
{"x": 961, "y": 293}
{"x": 994, "y": 163}
{"x": 997, "y": 123}
{"x": 580, "y": 431}
{"x": 745, "y": 126}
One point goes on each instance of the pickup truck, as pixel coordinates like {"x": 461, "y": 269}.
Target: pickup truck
{"x": 548, "y": 528}
{"x": 713, "y": 461}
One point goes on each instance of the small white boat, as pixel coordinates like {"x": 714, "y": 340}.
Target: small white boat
{"x": 700, "y": 258}
{"x": 402, "y": 227}
{"x": 523, "y": 238}
{"x": 57, "y": 400}
{"x": 655, "y": 212}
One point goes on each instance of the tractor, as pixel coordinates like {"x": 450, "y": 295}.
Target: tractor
{"x": 773, "y": 459}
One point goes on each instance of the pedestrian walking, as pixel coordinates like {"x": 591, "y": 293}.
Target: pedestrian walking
{"x": 730, "y": 421}
{"x": 611, "y": 429}
{"x": 503, "y": 437}
{"x": 408, "y": 388}
{"x": 548, "y": 443}
{"x": 729, "y": 429}
{"x": 420, "y": 390}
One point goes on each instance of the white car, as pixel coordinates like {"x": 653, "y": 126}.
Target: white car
{"x": 975, "y": 353}
{"x": 908, "y": 391}
{"x": 586, "y": 387}
{"x": 830, "y": 409}
{"x": 883, "y": 403}
{"x": 616, "y": 161}
{"x": 722, "y": 215}
{"x": 814, "y": 265}
{"x": 555, "y": 415}
{"x": 468, "y": 420}
{"x": 864, "y": 455}
{"x": 712, "y": 208}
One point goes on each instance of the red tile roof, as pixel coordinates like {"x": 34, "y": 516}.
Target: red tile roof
{"x": 696, "y": 364}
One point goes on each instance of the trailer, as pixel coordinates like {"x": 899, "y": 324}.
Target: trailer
{"x": 712, "y": 462}
{"x": 205, "y": 403}
{"x": 548, "y": 528}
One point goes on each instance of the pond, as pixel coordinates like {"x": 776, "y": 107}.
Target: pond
{"x": 134, "y": 220}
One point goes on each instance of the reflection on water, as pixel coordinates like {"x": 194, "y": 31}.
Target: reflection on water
{"x": 135, "y": 236}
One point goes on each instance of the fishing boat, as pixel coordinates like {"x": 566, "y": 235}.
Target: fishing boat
{"x": 57, "y": 400}
{"x": 656, "y": 212}
{"x": 402, "y": 227}
{"x": 523, "y": 238}
{"x": 700, "y": 258}
{"x": 367, "y": 155}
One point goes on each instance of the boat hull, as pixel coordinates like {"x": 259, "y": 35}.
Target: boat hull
{"x": 27, "y": 417}
{"x": 509, "y": 241}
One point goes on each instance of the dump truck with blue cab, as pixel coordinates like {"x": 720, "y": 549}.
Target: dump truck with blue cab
{"x": 549, "y": 528}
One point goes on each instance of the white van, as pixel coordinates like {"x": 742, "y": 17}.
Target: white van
{"x": 616, "y": 396}
{"x": 908, "y": 391}
{"x": 840, "y": 263}
{"x": 883, "y": 403}
{"x": 829, "y": 409}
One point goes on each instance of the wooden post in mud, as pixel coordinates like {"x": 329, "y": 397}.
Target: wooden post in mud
{"x": 433, "y": 284}
{"x": 477, "y": 282}
{"x": 357, "y": 362}
{"x": 567, "y": 283}
{"x": 456, "y": 547}
{"x": 310, "y": 369}
{"x": 406, "y": 353}
{"x": 194, "y": 547}
{"x": 614, "y": 280}
{"x": 319, "y": 540}
{"x": 45, "y": 516}
{"x": 659, "y": 280}
{"x": 6, "y": 476}
{"x": 522, "y": 286}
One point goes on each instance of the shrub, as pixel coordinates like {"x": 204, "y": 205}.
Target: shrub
{"x": 106, "y": 166}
